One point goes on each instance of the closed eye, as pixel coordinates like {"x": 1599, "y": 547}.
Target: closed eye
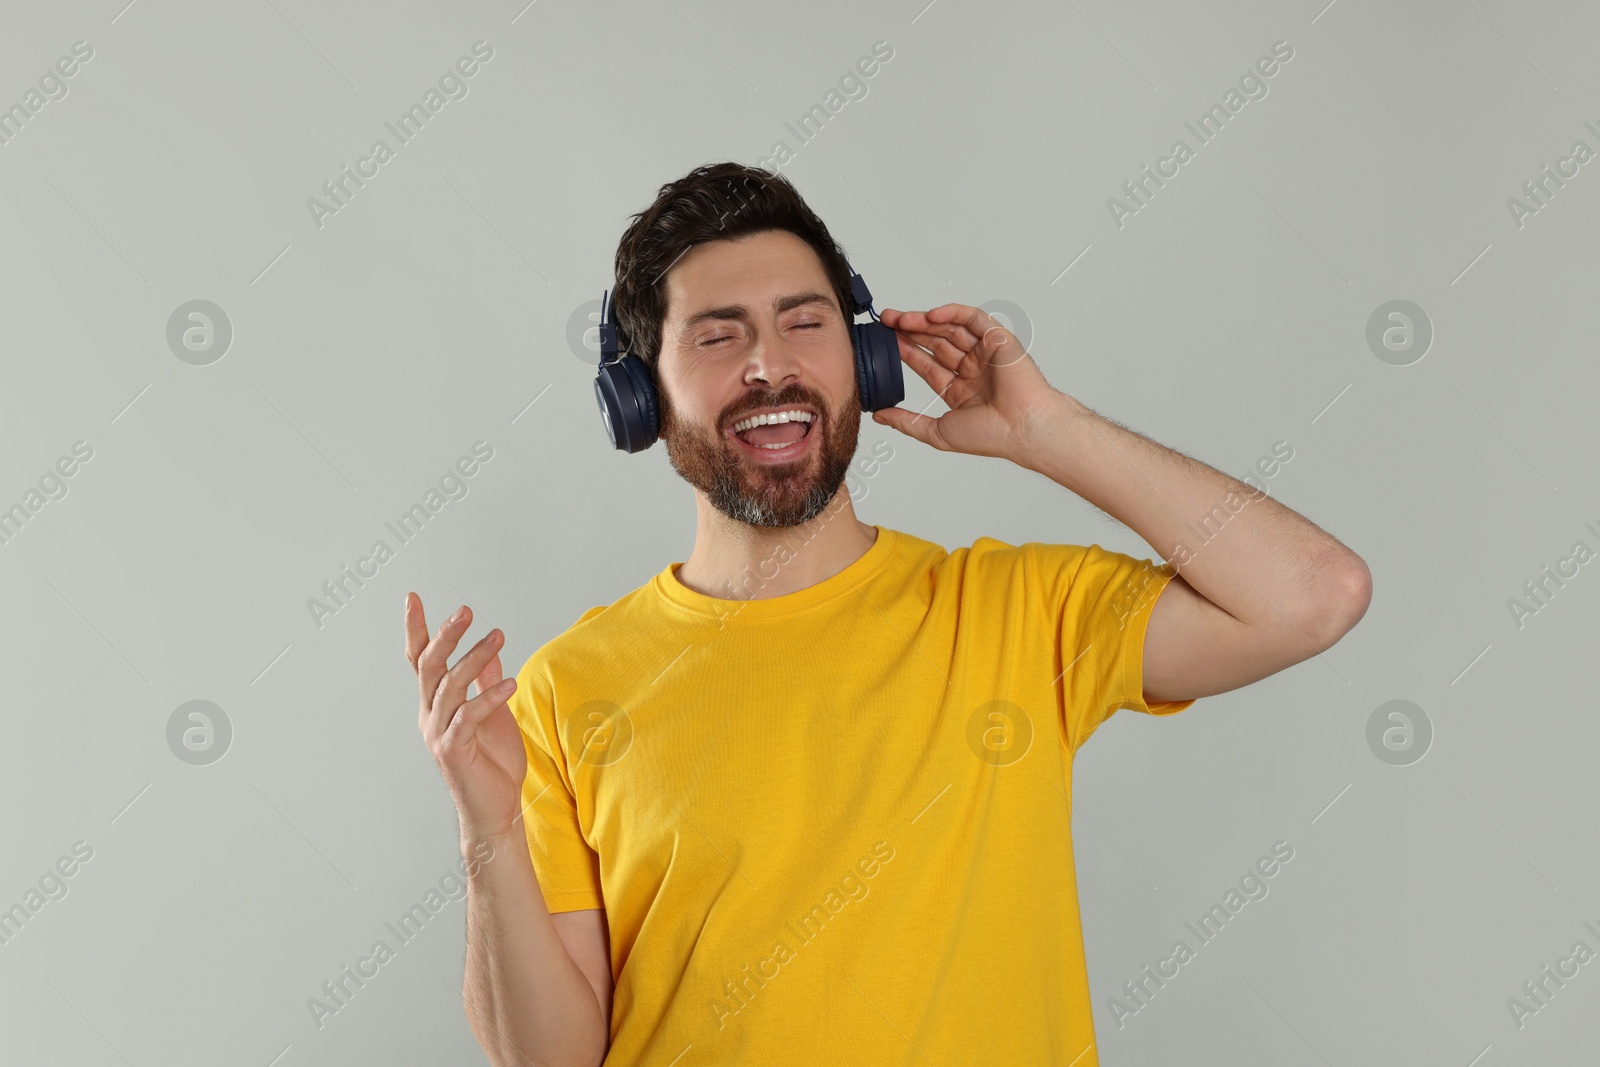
{"x": 728, "y": 337}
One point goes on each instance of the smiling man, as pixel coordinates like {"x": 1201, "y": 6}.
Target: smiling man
{"x": 823, "y": 815}
{"x": 762, "y": 459}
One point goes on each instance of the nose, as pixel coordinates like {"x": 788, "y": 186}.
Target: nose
{"x": 773, "y": 362}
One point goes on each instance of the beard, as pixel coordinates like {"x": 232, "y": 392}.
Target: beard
{"x": 764, "y": 494}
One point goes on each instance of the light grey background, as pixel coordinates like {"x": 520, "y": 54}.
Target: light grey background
{"x": 368, "y": 354}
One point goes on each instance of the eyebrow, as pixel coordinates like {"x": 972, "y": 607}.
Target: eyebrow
{"x": 740, "y": 312}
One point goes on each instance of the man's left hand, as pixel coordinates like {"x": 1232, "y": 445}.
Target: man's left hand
{"x": 995, "y": 391}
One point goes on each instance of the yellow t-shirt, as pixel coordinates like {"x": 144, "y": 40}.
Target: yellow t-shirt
{"x": 834, "y": 826}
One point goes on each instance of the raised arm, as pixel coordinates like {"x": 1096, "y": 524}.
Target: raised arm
{"x": 1270, "y": 589}
{"x": 1266, "y": 589}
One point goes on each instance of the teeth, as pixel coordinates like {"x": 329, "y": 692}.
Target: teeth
{"x": 795, "y": 415}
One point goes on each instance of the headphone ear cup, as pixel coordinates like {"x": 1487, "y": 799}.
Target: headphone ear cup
{"x": 627, "y": 402}
{"x": 645, "y": 387}
{"x": 863, "y": 385}
{"x": 879, "y": 371}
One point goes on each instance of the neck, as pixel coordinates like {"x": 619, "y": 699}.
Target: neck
{"x": 735, "y": 561}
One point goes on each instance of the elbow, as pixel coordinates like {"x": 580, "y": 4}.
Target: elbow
{"x": 1349, "y": 593}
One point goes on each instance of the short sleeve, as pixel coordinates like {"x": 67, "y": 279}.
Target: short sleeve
{"x": 1101, "y": 602}
{"x": 567, "y": 868}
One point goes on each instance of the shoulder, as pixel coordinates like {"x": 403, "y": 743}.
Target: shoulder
{"x": 1033, "y": 561}
{"x": 595, "y": 633}
{"x": 1056, "y": 572}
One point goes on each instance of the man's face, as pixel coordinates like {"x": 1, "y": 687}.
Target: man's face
{"x": 753, "y": 326}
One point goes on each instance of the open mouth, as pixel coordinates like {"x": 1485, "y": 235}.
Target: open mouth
{"x": 776, "y": 442}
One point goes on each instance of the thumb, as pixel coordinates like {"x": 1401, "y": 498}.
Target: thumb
{"x": 909, "y": 423}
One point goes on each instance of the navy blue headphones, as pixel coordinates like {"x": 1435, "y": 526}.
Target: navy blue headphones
{"x": 627, "y": 394}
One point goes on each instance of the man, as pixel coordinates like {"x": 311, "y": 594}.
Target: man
{"x": 803, "y": 798}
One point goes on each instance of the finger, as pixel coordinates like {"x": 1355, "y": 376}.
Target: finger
{"x": 490, "y": 675}
{"x": 464, "y": 723}
{"x": 910, "y": 423}
{"x": 913, "y": 322}
{"x": 996, "y": 346}
{"x": 453, "y": 686}
{"x": 927, "y": 367}
{"x": 965, "y": 321}
{"x": 949, "y": 343}
{"x": 416, "y": 625}
{"x": 947, "y": 354}
{"x": 999, "y": 347}
{"x": 431, "y": 664}
{"x": 960, "y": 324}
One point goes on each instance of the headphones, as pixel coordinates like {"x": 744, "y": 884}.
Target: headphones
{"x": 627, "y": 394}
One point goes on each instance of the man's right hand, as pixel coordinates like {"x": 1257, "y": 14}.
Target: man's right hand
{"x": 476, "y": 743}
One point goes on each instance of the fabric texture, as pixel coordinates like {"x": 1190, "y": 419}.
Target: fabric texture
{"x": 835, "y": 826}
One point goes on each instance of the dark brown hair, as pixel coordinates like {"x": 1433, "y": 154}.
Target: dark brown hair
{"x": 712, "y": 202}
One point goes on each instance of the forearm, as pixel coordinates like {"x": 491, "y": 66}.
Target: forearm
{"x": 526, "y": 1000}
{"x": 1263, "y": 563}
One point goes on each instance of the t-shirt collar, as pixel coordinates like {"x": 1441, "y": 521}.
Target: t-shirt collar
{"x": 667, "y": 585}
